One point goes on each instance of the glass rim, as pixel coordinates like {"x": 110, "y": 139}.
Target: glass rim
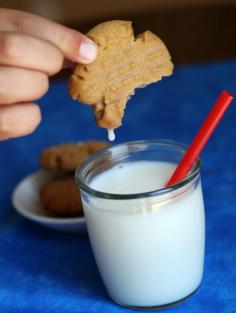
{"x": 114, "y": 196}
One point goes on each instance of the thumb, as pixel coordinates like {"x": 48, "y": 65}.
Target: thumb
{"x": 75, "y": 46}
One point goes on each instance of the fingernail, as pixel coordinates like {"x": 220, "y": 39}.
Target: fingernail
{"x": 87, "y": 52}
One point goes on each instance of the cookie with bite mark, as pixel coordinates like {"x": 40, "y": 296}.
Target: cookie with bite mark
{"x": 123, "y": 64}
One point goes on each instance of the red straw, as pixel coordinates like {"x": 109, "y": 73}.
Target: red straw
{"x": 201, "y": 138}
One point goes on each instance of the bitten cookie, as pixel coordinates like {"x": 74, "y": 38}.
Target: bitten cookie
{"x": 61, "y": 197}
{"x": 67, "y": 157}
{"x": 123, "y": 64}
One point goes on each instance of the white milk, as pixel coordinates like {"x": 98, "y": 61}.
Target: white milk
{"x": 111, "y": 134}
{"x": 148, "y": 253}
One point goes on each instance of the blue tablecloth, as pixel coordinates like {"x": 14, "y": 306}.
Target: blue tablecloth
{"x": 42, "y": 270}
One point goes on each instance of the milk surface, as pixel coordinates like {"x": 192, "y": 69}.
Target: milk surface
{"x": 149, "y": 251}
{"x": 137, "y": 177}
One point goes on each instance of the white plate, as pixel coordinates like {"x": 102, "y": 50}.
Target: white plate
{"x": 26, "y": 201}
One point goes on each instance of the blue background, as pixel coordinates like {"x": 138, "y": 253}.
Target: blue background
{"x": 42, "y": 270}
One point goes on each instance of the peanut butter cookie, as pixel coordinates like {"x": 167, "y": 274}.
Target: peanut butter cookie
{"x": 123, "y": 64}
{"x": 61, "y": 197}
{"x": 67, "y": 157}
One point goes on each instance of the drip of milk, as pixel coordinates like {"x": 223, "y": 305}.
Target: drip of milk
{"x": 111, "y": 134}
{"x": 146, "y": 256}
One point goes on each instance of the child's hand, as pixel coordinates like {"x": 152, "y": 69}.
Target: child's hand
{"x": 32, "y": 48}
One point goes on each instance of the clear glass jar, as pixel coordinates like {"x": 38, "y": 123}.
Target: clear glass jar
{"x": 149, "y": 246}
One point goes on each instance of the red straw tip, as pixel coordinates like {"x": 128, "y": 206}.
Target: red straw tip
{"x": 227, "y": 94}
{"x": 202, "y": 136}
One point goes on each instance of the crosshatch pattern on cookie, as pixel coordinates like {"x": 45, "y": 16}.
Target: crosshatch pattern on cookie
{"x": 123, "y": 64}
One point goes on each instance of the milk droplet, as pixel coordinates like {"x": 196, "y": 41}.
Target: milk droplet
{"x": 111, "y": 134}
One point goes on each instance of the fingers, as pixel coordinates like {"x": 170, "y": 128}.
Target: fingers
{"x": 74, "y": 45}
{"x": 21, "y": 85}
{"x": 18, "y": 120}
{"x": 22, "y": 50}
{"x": 67, "y": 64}
{"x": 31, "y": 48}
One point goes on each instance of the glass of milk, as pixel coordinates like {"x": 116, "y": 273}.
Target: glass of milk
{"x": 148, "y": 240}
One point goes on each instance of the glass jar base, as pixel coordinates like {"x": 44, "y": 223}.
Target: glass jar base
{"x": 155, "y": 307}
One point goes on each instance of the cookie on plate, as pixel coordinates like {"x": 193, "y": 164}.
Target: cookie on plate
{"x": 61, "y": 197}
{"x": 94, "y": 146}
{"x": 67, "y": 157}
{"x": 123, "y": 64}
